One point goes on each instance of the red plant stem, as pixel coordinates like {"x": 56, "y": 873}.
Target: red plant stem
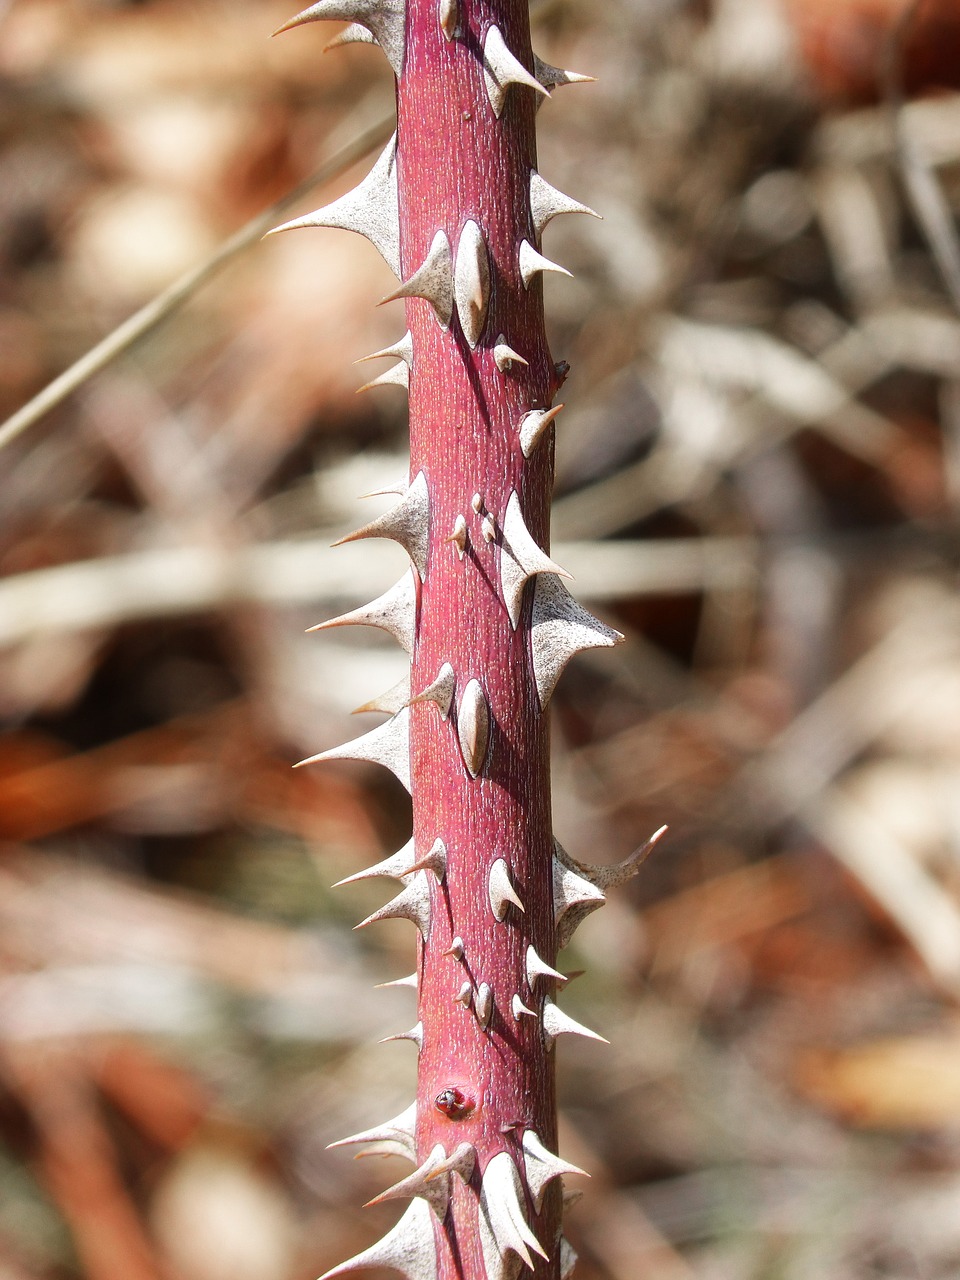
{"x": 457, "y": 161}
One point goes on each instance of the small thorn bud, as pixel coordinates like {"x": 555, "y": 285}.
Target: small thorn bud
{"x": 455, "y": 949}
{"x": 476, "y": 502}
{"x": 483, "y": 1004}
{"x": 519, "y": 1009}
{"x": 459, "y": 536}
{"x": 464, "y": 995}
{"x": 489, "y": 528}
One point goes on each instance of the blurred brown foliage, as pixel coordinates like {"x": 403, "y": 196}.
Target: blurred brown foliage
{"x": 758, "y": 481}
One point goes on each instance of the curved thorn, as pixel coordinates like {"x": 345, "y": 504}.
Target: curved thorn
{"x": 504, "y": 356}
{"x": 370, "y": 209}
{"x": 397, "y": 375}
{"x": 533, "y": 425}
{"x": 398, "y": 865}
{"x": 432, "y": 280}
{"x": 520, "y": 559}
{"x": 519, "y": 1009}
{"x": 402, "y": 349}
{"x": 503, "y": 1223}
{"x": 574, "y": 897}
{"x": 542, "y": 1166}
{"x": 411, "y": 980}
{"x": 391, "y": 700}
{"x": 557, "y": 1023}
{"x": 388, "y": 744}
{"x": 455, "y": 949}
{"x": 464, "y": 995}
{"x": 439, "y": 690}
{"x": 415, "y": 1034}
{"x": 412, "y": 903}
{"x": 394, "y": 612}
{"x": 547, "y": 202}
{"x": 459, "y": 537}
{"x": 501, "y": 69}
{"x": 407, "y": 523}
{"x": 560, "y": 628}
{"x": 532, "y": 262}
{"x": 399, "y": 1132}
{"x": 409, "y": 1248}
{"x": 425, "y": 1181}
{"x": 385, "y": 19}
{"x": 501, "y": 891}
{"x": 538, "y": 968}
{"x": 554, "y": 77}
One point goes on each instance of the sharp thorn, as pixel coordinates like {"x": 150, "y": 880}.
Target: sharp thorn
{"x": 394, "y": 612}
{"x": 504, "y": 356}
{"x": 439, "y": 690}
{"x": 532, "y": 262}
{"x": 533, "y": 425}
{"x": 407, "y": 523}
{"x": 560, "y": 628}
{"x": 501, "y": 891}
{"x": 501, "y": 69}
{"x": 520, "y": 559}
{"x": 388, "y": 744}
{"x": 557, "y": 1023}
{"x": 432, "y": 280}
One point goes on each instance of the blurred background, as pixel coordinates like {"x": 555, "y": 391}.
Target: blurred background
{"x": 758, "y": 482}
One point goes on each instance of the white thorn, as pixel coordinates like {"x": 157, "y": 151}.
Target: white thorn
{"x": 574, "y": 897}
{"x": 449, "y": 18}
{"x": 407, "y": 523}
{"x": 461, "y": 1161}
{"x": 391, "y": 700}
{"x": 557, "y": 1023}
{"x": 415, "y": 1034}
{"x": 568, "y": 1256}
{"x": 464, "y": 995}
{"x": 542, "y": 1166}
{"x": 370, "y": 209}
{"x": 547, "y": 202}
{"x": 503, "y": 1224}
{"x": 397, "y": 1134}
{"x": 533, "y": 425}
{"x": 476, "y": 502}
{"x": 435, "y": 860}
{"x": 554, "y": 77}
{"x": 385, "y": 19}
{"x": 398, "y": 865}
{"x": 395, "y": 612}
{"x": 354, "y": 34}
{"x": 488, "y": 528}
{"x": 402, "y": 349}
{"x": 455, "y": 949}
{"x": 459, "y": 536}
{"x": 570, "y": 1198}
{"x": 483, "y": 1004}
{"x": 504, "y": 356}
{"x": 519, "y": 1009}
{"x": 411, "y": 980}
{"x": 537, "y": 968}
{"x": 430, "y": 1181}
{"x": 473, "y": 726}
{"x": 501, "y": 69}
{"x": 388, "y": 744}
{"x": 559, "y": 629}
{"x": 609, "y": 877}
{"x": 412, "y": 903}
{"x": 471, "y": 281}
{"x": 409, "y": 1248}
{"x": 531, "y": 262}
{"x": 439, "y": 690}
{"x": 501, "y": 890}
{"x": 397, "y": 375}
{"x": 520, "y": 559}
{"x": 432, "y": 280}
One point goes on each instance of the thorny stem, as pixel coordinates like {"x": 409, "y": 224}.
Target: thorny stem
{"x": 456, "y": 207}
